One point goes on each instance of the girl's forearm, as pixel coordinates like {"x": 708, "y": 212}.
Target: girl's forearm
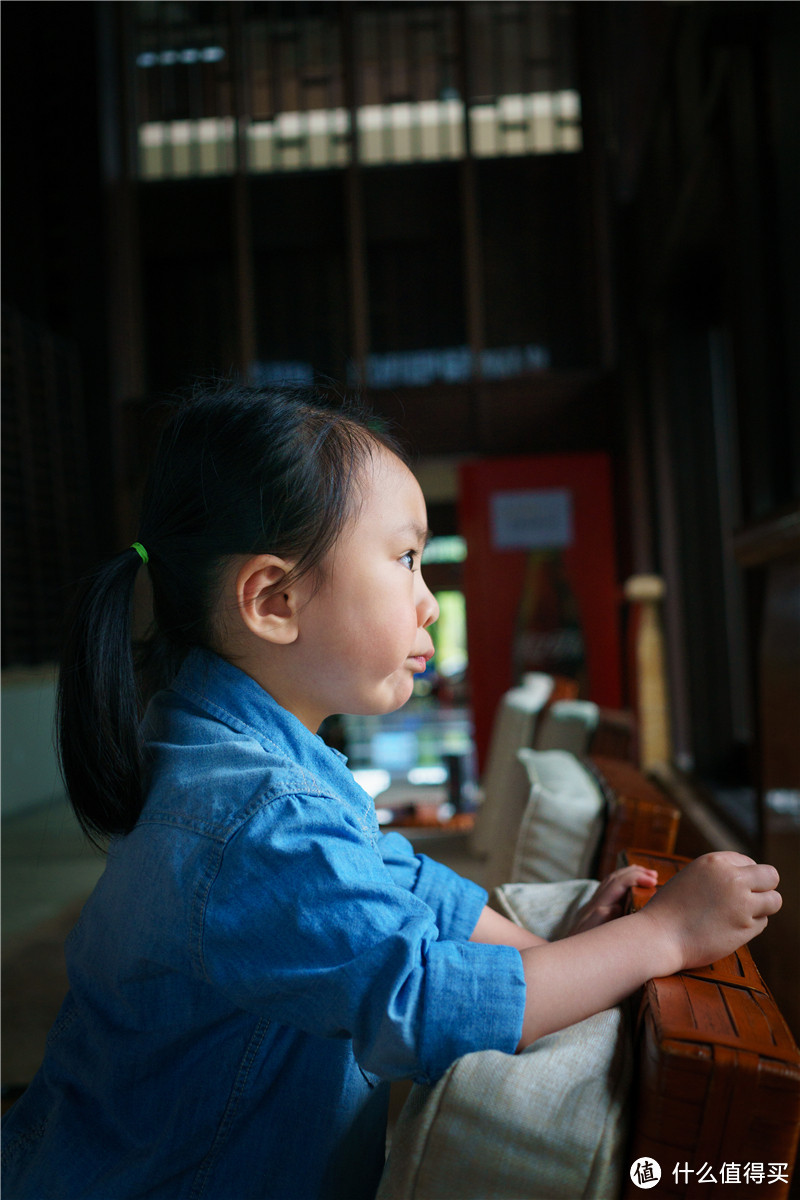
{"x": 496, "y": 929}
{"x": 589, "y": 972}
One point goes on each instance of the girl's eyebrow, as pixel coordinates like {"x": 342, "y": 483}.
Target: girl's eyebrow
{"x": 419, "y": 532}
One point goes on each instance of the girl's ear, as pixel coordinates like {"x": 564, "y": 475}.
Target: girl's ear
{"x": 268, "y": 611}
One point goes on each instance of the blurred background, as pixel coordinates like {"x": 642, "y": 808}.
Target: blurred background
{"x": 550, "y": 242}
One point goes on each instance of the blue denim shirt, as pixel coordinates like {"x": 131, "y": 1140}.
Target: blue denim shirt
{"x": 255, "y": 962}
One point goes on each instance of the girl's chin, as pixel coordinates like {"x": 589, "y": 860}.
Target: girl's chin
{"x": 389, "y": 702}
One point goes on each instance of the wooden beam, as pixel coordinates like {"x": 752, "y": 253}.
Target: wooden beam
{"x": 242, "y": 234}
{"x": 354, "y": 207}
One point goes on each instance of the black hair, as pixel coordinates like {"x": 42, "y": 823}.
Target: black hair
{"x": 238, "y": 470}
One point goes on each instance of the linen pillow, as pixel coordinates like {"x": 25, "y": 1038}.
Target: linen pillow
{"x": 567, "y": 725}
{"x": 563, "y": 821}
{"x": 547, "y": 909}
{"x": 547, "y": 1124}
{"x": 498, "y": 816}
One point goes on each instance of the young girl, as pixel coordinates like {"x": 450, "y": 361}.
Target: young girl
{"x": 258, "y": 959}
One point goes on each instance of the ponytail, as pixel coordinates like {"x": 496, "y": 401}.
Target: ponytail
{"x": 98, "y": 712}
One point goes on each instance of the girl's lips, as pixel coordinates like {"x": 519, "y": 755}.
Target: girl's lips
{"x": 420, "y": 661}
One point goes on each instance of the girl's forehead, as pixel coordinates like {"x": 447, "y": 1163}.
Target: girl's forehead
{"x": 391, "y": 475}
{"x": 390, "y": 494}
{"x": 384, "y": 462}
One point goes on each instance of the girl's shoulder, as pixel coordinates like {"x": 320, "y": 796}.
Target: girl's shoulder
{"x": 212, "y": 764}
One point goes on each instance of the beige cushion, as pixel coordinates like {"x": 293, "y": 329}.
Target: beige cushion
{"x": 505, "y": 787}
{"x": 547, "y": 909}
{"x": 548, "y": 1124}
{"x": 563, "y": 821}
{"x": 567, "y": 725}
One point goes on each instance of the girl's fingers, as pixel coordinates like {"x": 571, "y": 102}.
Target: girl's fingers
{"x": 639, "y": 874}
{"x": 767, "y": 904}
{"x": 646, "y": 877}
{"x": 763, "y": 877}
{"x": 626, "y": 877}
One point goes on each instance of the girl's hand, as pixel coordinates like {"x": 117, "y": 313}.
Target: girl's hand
{"x": 607, "y": 902}
{"x": 709, "y": 909}
{"x": 713, "y": 906}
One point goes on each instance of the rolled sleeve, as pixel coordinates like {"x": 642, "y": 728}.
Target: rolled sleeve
{"x": 457, "y": 903}
{"x": 476, "y": 1002}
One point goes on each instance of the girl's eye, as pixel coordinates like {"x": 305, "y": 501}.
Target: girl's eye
{"x": 409, "y": 558}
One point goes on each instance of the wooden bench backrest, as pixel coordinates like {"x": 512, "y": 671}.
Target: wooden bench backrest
{"x": 639, "y": 813}
{"x": 717, "y": 1088}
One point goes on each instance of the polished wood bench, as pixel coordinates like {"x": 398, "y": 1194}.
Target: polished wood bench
{"x": 638, "y": 812}
{"x": 717, "y": 1086}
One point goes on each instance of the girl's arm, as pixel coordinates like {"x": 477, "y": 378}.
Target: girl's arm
{"x": 496, "y": 929}
{"x": 713, "y": 906}
{"x": 604, "y": 905}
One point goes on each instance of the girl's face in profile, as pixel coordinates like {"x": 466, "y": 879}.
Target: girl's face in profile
{"x": 363, "y": 634}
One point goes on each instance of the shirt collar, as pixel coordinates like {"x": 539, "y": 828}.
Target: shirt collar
{"x": 227, "y": 693}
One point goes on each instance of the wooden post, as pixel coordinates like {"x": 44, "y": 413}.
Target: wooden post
{"x": 242, "y": 236}
{"x": 470, "y": 215}
{"x": 655, "y": 744}
{"x": 354, "y": 209}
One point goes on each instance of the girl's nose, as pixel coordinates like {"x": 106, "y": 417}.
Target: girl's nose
{"x": 427, "y": 605}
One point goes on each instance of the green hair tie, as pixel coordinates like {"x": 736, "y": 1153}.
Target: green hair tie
{"x": 140, "y": 550}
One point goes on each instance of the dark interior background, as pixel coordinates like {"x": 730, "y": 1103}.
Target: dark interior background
{"x": 658, "y": 267}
